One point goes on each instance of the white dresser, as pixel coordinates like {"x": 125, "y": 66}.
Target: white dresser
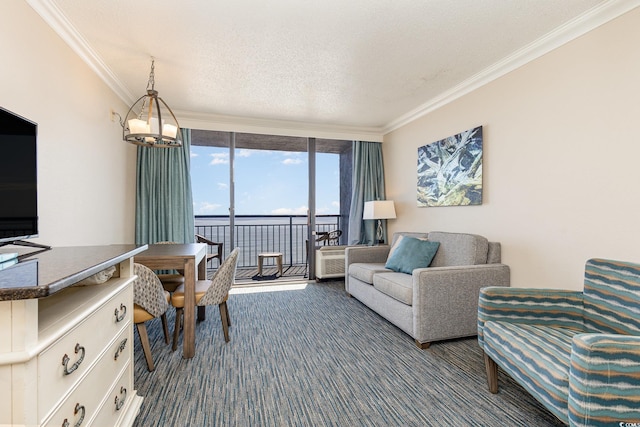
{"x": 66, "y": 352}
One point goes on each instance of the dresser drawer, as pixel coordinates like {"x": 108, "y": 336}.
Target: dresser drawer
{"x": 82, "y": 346}
{"x": 91, "y": 391}
{"x": 117, "y": 401}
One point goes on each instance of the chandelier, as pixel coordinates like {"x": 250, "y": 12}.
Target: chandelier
{"x": 150, "y": 122}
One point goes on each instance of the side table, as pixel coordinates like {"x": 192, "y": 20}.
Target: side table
{"x": 276, "y": 255}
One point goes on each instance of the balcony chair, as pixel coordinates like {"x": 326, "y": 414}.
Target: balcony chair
{"x": 216, "y": 249}
{"x": 577, "y": 353}
{"x": 209, "y": 292}
{"x": 150, "y": 300}
{"x": 329, "y": 238}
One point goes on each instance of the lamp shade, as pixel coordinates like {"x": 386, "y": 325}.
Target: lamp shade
{"x": 379, "y": 209}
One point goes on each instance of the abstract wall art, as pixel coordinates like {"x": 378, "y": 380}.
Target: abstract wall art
{"x": 450, "y": 170}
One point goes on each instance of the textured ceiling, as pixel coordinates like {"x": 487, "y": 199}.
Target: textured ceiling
{"x": 360, "y": 64}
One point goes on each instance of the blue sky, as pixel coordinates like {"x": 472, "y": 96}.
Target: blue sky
{"x": 266, "y": 182}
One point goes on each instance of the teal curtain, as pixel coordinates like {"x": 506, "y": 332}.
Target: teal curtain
{"x": 164, "y": 202}
{"x": 368, "y": 184}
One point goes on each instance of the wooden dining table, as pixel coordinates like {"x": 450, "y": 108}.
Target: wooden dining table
{"x": 191, "y": 258}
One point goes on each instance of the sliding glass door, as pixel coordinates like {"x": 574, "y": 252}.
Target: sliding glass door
{"x": 266, "y": 193}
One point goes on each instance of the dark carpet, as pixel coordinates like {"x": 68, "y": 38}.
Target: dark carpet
{"x": 314, "y": 357}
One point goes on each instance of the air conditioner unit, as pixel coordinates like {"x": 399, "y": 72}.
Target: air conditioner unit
{"x": 330, "y": 262}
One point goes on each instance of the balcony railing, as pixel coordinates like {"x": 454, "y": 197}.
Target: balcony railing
{"x": 255, "y": 234}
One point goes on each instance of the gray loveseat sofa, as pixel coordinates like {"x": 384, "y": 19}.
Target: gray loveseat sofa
{"x": 434, "y": 303}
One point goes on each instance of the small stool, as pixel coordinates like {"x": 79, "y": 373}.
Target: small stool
{"x": 276, "y": 255}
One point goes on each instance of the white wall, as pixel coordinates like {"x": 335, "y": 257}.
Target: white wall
{"x": 561, "y": 159}
{"x": 86, "y": 173}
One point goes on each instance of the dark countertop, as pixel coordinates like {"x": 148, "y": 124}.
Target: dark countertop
{"x": 45, "y": 273}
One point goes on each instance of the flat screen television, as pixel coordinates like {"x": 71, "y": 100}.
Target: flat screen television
{"x": 18, "y": 179}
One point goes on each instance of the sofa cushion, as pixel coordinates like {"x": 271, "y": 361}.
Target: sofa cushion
{"x": 459, "y": 249}
{"x": 411, "y": 253}
{"x": 398, "y": 234}
{"x": 397, "y": 238}
{"x": 365, "y": 271}
{"x": 398, "y": 286}
{"x": 537, "y": 357}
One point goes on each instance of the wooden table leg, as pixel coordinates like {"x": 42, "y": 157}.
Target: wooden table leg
{"x": 189, "y": 337}
{"x": 202, "y": 275}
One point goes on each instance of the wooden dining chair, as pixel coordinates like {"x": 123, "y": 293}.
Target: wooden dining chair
{"x": 209, "y": 292}
{"x": 150, "y": 300}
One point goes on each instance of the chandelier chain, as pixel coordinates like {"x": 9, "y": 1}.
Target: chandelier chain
{"x": 152, "y": 76}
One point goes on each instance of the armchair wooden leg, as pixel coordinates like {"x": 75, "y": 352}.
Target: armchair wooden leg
{"x": 224, "y": 318}
{"x": 423, "y": 345}
{"x": 176, "y": 330}
{"x": 165, "y": 327}
{"x": 146, "y": 348}
{"x": 492, "y": 373}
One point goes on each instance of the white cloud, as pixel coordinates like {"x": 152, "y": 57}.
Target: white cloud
{"x": 206, "y": 208}
{"x": 219, "y": 159}
{"x": 293, "y": 158}
{"x": 194, "y": 154}
{"x": 302, "y": 210}
{"x": 291, "y": 161}
{"x": 335, "y": 204}
{"x": 222, "y": 186}
{"x": 243, "y": 153}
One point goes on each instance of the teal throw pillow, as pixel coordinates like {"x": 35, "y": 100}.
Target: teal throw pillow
{"x": 412, "y": 253}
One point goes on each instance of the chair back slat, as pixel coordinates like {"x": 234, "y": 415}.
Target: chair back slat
{"x": 612, "y": 297}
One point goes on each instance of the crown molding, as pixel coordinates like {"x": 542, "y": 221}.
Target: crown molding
{"x": 54, "y": 17}
{"x": 205, "y": 121}
{"x": 571, "y": 30}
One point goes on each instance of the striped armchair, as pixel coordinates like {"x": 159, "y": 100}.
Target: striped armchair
{"x": 577, "y": 353}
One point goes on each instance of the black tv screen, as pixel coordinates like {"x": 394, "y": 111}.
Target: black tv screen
{"x": 18, "y": 177}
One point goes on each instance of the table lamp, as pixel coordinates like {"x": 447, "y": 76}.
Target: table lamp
{"x": 379, "y": 209}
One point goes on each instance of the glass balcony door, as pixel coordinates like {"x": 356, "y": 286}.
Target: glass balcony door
{"x": 265, "y": 182}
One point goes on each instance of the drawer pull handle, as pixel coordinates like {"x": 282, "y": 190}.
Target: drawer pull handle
{"x": 120, "y": 314}
{"x": 119, "y": 402}
{"x": 120, "y": 349}
{"x": 75, "y": 412}
{"x": 66, "y": 360}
